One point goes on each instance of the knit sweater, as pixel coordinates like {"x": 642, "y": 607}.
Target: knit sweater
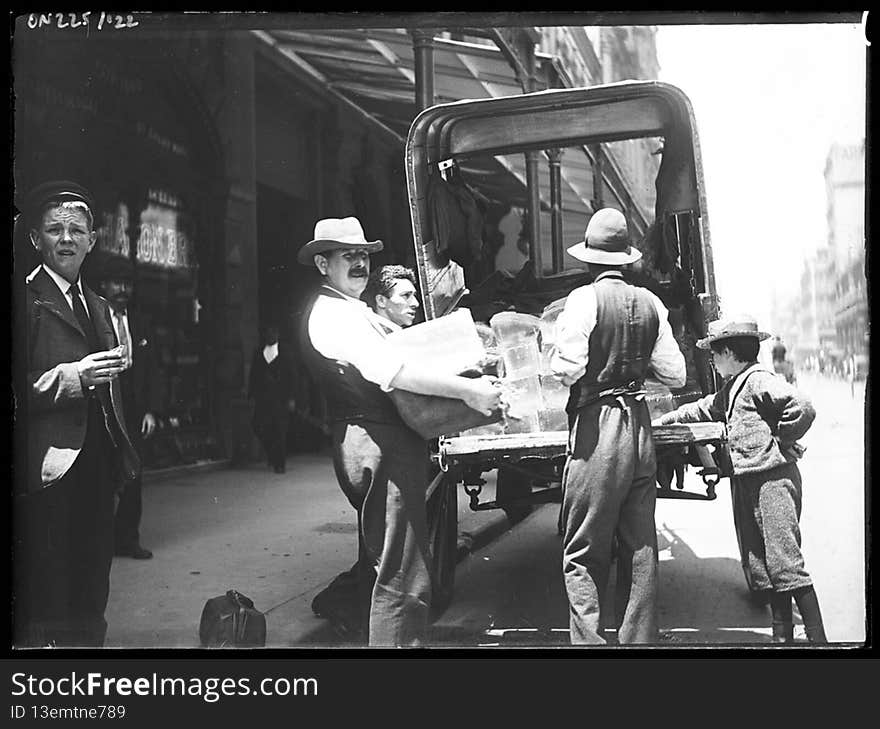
{"x": 767, "y": 419}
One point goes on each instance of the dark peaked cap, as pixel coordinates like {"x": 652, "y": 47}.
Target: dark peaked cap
{"x": 55, "y": 190}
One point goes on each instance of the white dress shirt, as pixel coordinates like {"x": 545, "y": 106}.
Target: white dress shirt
{"x": 576, "y": 323}
{"x": 270, "y": 352}
{"x": 347, "y": 330}
{"x": 64, "y": 287}
{"x": 115, "y": 318}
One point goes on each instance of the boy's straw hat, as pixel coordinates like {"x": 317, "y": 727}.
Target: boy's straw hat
{"x": 740, "y": 326}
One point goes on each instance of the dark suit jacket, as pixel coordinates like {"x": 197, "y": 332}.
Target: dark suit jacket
{"x": 140, "y": 383}
{"x": 57, "y": 408}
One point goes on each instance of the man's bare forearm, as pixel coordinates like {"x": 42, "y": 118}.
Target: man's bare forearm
{"x": 413, "y": 379}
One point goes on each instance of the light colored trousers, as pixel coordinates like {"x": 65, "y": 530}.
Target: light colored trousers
{"x": 609, "y": 492}
{"x": 383, "y": 470}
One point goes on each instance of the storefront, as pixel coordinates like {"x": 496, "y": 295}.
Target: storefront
{"x": 111, "y": 117}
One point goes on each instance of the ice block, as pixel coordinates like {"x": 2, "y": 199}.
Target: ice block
{"x": 448, "y": 344}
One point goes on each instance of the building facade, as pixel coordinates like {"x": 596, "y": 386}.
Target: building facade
{"x": 212, "y": 153}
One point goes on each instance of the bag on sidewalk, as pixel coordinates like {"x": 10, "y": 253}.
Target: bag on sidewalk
{"x": 232, "y": 621}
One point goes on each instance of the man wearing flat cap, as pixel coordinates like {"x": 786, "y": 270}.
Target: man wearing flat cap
{"x": 381, "y": 464}
{"x": 139, "y": 396}
{"x": 610, "y": 335}
{"x": 78, "y": 451}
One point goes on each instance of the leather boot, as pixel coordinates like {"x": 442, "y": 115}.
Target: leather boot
{"x": 783, "y": 624}
{"x": 808, "y": 604}
{"x": 783, "y": 632}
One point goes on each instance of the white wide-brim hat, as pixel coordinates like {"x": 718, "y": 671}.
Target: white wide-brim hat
{"x": 739, "y": 326}
{"x": 606, "y": 240}
{"x": 334, "y": 233}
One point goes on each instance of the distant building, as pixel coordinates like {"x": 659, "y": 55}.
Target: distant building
{"x": 845, "y": 186}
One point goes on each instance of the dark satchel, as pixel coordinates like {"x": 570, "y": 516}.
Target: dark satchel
{"x": 232, "y": 621}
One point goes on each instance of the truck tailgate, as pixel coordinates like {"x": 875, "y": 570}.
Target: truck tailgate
{"x": 551, "y": 444}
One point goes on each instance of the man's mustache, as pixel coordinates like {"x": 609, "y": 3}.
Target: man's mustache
{"x": 358, "y": 272}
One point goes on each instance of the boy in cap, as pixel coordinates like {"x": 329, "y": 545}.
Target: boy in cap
{"x": 765, "y": 417}
{"x": 78, "y": 450}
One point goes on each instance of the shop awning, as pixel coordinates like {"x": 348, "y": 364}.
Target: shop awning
{"x": 374, "y": 69}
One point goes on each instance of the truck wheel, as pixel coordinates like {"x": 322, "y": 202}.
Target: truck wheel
{"x": 442, "y": 508}
{"x": 510, "y": 487}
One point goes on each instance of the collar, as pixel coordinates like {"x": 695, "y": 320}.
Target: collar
{"x": 62, "y": 283}
{"x": 609, "y": 274}
{"x": 387, "y": 324}
{"x": 351, "y": 299}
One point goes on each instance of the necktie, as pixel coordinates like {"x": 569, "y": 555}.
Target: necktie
{"x": 123, "y": 335}
{"x": 79, "y": 311}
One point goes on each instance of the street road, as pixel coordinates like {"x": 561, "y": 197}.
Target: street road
{"x": 511, "y": 592}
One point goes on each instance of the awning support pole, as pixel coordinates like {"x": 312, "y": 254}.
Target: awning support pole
{"x": 423, "y": 50}
{"x": 529, "y": 83}
{"x": 554, "y": 157}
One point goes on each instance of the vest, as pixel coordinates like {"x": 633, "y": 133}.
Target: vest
{"x": 350, "y": 397}
{"x": 620, "y": 344}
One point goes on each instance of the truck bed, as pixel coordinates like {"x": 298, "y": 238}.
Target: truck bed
{"x": 551, "y": 444}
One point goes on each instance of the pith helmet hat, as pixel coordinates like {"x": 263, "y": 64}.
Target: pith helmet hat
{"x": 606, "y": 240}
{"x": 742, "y": 325}
{"x": 334, "y": 233}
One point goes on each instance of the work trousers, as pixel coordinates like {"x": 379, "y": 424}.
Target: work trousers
{"x": 64, "y": 549}
{"x": 383, "y": 471}
{"x": 609, "y": 492}
{"x": 130, "y": 506}
{"x": 766, "y": 512}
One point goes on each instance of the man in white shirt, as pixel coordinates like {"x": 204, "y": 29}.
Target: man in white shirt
{"x": 609, "y": 336}
{"x": 78, "y": 451}
{"x": 381, "y": 464}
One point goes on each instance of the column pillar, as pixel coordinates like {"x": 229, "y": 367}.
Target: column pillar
{"x": 238, "y": 289}
{"x": 423, "y": 49}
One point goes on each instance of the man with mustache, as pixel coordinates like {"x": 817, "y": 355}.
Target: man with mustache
{"x": 139, "y": 393}
{"x": 78, "y": 451}
{"x": 391, "y": 294}
{"x": 381, "y": 464}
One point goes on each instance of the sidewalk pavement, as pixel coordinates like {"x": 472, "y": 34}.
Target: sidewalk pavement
{"x": 277, "y": 538}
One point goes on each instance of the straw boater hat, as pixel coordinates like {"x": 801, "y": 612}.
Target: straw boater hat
{"x": 739, "y": 326}
{"x": 334, "y": 233}
{"x": 606, "y": 240}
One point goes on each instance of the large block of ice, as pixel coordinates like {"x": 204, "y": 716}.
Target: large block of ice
{"x": 448, "y": 344}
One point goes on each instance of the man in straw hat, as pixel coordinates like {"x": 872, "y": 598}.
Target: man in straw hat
{"x": 381, "y": 464}
{"x": 610, "y": 335}
{"x": 765, "y": 418}
{"x": 78, "y": 450}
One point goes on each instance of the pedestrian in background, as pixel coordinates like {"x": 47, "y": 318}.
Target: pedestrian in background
{"x": 609, "y": 336}
{"x": 270, "y": 387}
{"x": 765, "y": 418}
{"x": 78, "y": 451}
{"x": 140, "y": 396}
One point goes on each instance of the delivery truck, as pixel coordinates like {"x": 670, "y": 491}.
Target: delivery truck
{"x": 498, "y": 188}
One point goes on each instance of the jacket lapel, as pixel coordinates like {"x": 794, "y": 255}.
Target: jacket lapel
{"x": 49, "y": 297}
{"x": 99, "y": 312}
